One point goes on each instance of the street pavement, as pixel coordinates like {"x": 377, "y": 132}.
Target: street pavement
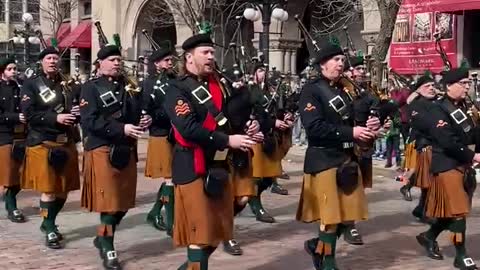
{"x": 389, "y": 233}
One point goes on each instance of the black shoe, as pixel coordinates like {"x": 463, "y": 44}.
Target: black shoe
{"x": 464, "y": 263}
{"x": 310, "y": 246}
{"x": 431, "y": 246}
{"x": 16, "y": 216}
{"x": 407, "y": 196}
{"x": 59, "y": 235}
{"x": 110, "y": 261}
{"x": 278, "y": 189}
{"x": 388, "y": 165}
{"x": 284, "y": 176}
{"x": 52, "y": 241}
{"x": 264, "y": 216}
{"x": 352, "y": 236}
{"x": 232, "y": 247}
{"x": 170, "y": 233}
{"x": 157, "y": 222}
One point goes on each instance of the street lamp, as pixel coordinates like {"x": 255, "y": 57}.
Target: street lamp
{"x": 266, "y": 9}
{"x": 26, "y": 36}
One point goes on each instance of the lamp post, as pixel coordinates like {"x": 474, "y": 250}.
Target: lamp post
{"x": 26, "y": 36}
{"x": 266, "y": 9}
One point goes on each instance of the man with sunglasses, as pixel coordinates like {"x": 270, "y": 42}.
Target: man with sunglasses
{"x": 159, "y": 153}
{"x": 12, "y": 138}
{"x": 449, "y": 197}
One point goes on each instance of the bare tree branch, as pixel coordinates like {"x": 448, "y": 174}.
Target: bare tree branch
{"x": 330, "y": 16}
{"x": 56, "y": 12}
{"x": 221, "y": 14}
{"x": 388, "y": 10}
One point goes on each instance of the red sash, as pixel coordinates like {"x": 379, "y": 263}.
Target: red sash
{"x": 209, "y": 124}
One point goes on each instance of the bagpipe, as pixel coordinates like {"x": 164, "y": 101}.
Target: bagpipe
{"x": 131, "y": 80}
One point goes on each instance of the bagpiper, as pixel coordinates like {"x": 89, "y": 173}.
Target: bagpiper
{"x": 332, "y": 191}
{"x": 112, "y": 121}
{"x": 246, "y": 116}
{"x": 449, "y": 197}
{"x": 160, "y": 148}
{"x": 267, "y": 157}
{"x": 418, "y": 108}
{"x": 195, "y": 103}
{"x": 12, "y": 138}
{"x": 51, "y": 156}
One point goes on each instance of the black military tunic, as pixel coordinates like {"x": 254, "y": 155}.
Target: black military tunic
{"x": 9, "y": 111}
{"x": 10, "y": 129}
{"x": 153, "y": 97}
{"x": 41, "y": 108}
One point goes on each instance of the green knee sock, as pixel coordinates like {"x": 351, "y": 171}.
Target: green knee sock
{"x": 437, "y": 228}
{"x": 59, "y": 203}
{"x": 118, "y": 217}
{"x": 255, "y": 204}
{"x": 327, "y": 243}
{"x": 49, "y": 214}
{"x": 170, "y": 206}
{"x": 11, "y": 198}
{"x": 199, "y": 256}
{"x": 157, "y": 206}
{"x": 458, "y": 228}
{"x": 107, "y": 240}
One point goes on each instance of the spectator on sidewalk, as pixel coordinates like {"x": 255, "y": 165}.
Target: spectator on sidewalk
{"x": 393, "y": 139}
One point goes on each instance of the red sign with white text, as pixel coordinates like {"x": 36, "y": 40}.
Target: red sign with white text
{"x": 413, "y": 47}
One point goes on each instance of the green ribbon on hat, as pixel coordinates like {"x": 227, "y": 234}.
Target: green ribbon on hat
{"x": 206, "y": 28}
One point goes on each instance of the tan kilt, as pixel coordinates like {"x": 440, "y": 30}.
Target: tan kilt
{"x": 159, "y": 158}
{"x": 321, "y": 200}
{"x": 105, "y": 188}
{"x": 10, "y": 169}
{"x": 410, "y": 156}
{"x": 200, "y": 220}
{"x": 446, "y": 196}
{"x": 422, "y": 169}
{"x": 40, "y": 176}
{"x": 266, "y": 166}
{"x": 243, "y": 182}
{"x": 286, "y": 142}
{"x": 366, "y": 167}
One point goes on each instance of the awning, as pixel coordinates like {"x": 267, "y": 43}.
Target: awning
{"x": 62, "y": 33}
{"x": 63, "y": 30}
{"x": 454, "y": 5}
{"x": 80, "y": 37}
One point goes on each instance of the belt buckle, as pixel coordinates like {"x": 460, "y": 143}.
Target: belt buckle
{"x": 108, "y": 99}
{"x": 221, "y": 155}
{"x": 47, "y": 95}
{"x": 221, "y": 119}
{"x": 19, "y": 128}
{"x": 334, "y": 103}
{"x": 458, "y": 116}
{"x": 62, "y": 138}
{"x": 347, "y": 145}
{"x": 201, "y": 90}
